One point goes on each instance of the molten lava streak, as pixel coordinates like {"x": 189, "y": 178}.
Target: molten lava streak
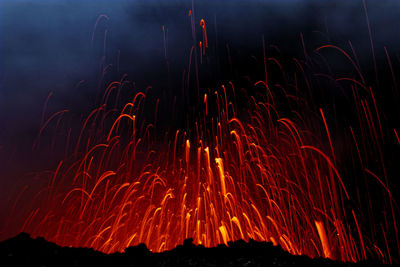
{"x": 222, "y": 181}
{"x": 265, "y": 177}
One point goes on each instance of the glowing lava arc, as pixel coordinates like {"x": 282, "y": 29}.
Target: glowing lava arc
{"x": 223, "y": 181}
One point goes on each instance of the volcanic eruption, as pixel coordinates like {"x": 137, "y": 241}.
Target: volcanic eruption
{"x": 288, "y": 155}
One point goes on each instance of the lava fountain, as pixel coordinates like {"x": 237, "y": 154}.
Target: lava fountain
{"x": 234, "y": 174}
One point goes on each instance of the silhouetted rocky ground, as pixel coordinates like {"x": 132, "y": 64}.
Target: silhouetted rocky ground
{"x": 23, "y": 250}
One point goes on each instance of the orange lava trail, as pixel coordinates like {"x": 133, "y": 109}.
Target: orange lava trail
{"x": 267, "y": 177}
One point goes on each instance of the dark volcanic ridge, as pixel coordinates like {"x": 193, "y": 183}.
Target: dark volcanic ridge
{"x": 23, "y": 250}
